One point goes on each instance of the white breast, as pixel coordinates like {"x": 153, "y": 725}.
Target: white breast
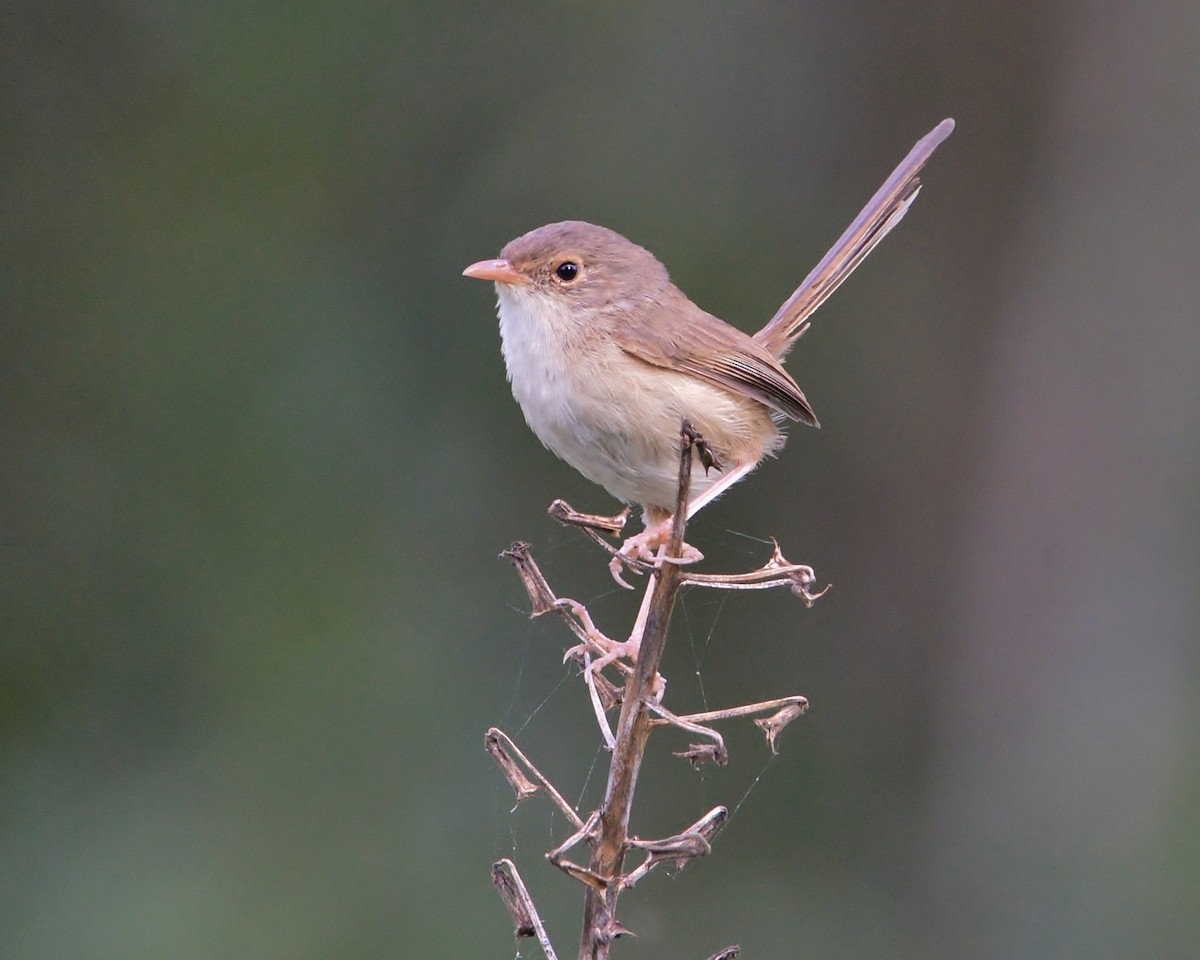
{"x": 533, "y": 343}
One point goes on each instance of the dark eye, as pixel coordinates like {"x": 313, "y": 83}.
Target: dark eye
{"x": 567, "y": 271}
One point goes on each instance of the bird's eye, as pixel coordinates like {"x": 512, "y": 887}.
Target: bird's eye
{"x": 567, "y": 271}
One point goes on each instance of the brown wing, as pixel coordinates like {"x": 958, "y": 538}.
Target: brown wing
{"x": 707, "y": 347}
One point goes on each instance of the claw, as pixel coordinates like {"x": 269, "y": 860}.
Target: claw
{"x": 616, "y": 566}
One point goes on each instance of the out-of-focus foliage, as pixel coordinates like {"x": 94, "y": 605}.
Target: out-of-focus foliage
{"x": 259, "y": 457}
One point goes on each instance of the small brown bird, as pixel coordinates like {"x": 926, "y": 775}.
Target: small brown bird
{"x": 607, "y": 356}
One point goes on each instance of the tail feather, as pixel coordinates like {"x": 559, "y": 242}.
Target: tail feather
{"x": 877, "y": 218}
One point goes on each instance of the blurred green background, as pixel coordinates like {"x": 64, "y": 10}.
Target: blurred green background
{"x": 259, "y": 457}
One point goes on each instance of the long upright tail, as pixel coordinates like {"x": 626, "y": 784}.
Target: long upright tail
{"x": 882, "y": 212}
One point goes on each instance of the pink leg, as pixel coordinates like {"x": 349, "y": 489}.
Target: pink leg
{"x": 696, "y": 504}
{"x": 613, "y": 649}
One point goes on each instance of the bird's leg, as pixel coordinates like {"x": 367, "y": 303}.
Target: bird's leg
{"x": 630, "y": 648}
{"x": 593, "y": 640}
{"x": 727, "y": 480}
{"x": 634, "y": 643}
{"x": 609, "y": 651}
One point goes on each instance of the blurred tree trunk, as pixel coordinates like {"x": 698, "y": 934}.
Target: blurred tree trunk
{"x": 1055, "y": 827}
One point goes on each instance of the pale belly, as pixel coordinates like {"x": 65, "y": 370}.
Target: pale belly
{"x": 617, "y": 420}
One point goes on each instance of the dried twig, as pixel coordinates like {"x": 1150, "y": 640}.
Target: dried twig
{"x": 526, "y": 922}
{"x": 503, "y": 750}
{"x": 787, "y": 709}
{"x": 693, "y": 842}
{"x": 776, "y": 572}
{"x": 633, "y": 729}
{"x": 563, "y": 512}
{"x": 636, "y": 661}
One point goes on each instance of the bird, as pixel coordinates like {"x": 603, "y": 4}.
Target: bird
{"x": 607, "y": 357}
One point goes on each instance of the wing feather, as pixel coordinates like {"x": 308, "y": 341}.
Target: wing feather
{"x": 707, "y": 347}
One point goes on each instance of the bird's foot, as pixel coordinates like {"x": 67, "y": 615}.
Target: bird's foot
{"x": 595, "y": 642}
{"x": 645, "y": 547}
{"x": 617, "y": 650}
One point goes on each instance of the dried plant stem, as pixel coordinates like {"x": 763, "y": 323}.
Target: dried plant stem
{"x": 633, "y": 730}
{"x": 636, "y": 662}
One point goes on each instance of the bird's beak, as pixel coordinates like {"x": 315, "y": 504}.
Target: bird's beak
{"x": 501, "y": 271}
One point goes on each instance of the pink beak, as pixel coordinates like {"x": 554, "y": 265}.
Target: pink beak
{"x": 501, "y": 271}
